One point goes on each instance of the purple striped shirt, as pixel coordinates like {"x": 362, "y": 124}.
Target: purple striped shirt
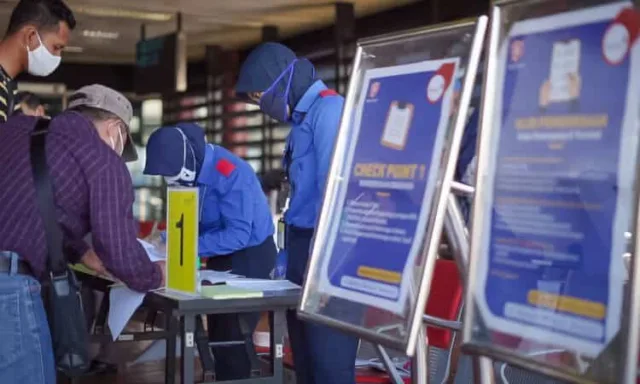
{"x": 93, "y": 193}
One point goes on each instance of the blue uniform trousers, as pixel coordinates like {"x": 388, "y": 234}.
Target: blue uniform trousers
{"x": 232, "y": 363}
{"x": 321, "y": 355}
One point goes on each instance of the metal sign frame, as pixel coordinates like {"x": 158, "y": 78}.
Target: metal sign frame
{"x": 476, "y": 29}
{"x": 484, "y": 353}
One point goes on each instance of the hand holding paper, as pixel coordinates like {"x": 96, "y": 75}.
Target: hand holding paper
{"x": 91, "y": 260}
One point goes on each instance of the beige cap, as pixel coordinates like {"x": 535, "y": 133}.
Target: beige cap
{"x": 101, "y": 97}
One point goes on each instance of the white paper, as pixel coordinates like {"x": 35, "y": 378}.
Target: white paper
{"x": 565, "y": 61}
{"x": 397, "y": 127}
{"x": 216, "y": 277}
{"x": 153, "y": 253}
{"x": 263, "y": 285}
{"x": 124, "y": 302}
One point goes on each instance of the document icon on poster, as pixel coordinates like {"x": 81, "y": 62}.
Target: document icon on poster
{"x": 565, "y": 68}
{"x": 396, "y": 129}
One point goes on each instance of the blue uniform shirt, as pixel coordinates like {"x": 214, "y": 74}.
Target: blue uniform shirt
{"x": 315, "y": 122}
{"x": 468, "y": 145}
{"x": 234, "y": 212}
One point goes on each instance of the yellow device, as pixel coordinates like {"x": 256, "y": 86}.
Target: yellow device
{"x": 182, "y": 239}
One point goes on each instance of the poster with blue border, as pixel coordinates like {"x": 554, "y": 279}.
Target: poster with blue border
{"x": 391, "y": 169}
{"x": 560, "y": 178}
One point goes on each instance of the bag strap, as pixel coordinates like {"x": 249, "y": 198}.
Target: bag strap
{"x": 56, "y": 263}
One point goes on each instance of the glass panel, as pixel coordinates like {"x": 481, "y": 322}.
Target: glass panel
{"x": 557, "y": 197}
{"x": 379, "y": 231}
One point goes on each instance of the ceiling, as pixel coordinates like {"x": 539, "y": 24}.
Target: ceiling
{"x": 107, "y": 30}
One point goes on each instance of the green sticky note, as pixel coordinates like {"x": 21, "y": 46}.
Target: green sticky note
{"x": 220, "y": 292}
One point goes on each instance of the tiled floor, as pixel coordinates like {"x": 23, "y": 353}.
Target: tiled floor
{"x": 143, "y": 373}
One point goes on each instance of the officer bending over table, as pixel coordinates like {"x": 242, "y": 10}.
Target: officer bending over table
{"x": 93, "y": 191}
{"x": 236, "y": 227}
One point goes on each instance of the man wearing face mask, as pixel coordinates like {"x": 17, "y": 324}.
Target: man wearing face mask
{"x": 93, "y": 192}
{"x": 38, "y": 32}
{"x": 235, "y": 225}
{"x": 287, "y": 90}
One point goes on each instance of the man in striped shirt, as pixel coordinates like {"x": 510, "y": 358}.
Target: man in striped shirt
{"x": 38, "y": 32}
{"x": 93, "y": 192}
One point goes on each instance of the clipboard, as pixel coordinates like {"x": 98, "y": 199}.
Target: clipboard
{"x": 397, "y": 125}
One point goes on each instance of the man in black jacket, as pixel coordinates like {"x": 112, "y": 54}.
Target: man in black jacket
{"x": 38, "y": 32}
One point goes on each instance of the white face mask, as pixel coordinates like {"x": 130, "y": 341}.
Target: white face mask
{"x": 113, "y": 143}
{"x": 41, "y": 62}
{"x": 186, "y": 177}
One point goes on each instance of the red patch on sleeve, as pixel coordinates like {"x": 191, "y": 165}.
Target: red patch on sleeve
{"x": 328, "y": 92}
{"x": 225, "y": 167}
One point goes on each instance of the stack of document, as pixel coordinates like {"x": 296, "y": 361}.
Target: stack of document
{"x": 263, "y": 285}
{"x": 216, "y": 277}
{"x": 222, "y": 292}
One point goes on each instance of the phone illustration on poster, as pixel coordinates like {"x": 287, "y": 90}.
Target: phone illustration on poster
{"x": 400, "y": 122}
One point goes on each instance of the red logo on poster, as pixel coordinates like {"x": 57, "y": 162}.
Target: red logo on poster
{"x": 620, "y": 36}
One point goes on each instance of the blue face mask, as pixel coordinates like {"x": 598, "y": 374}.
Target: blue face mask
{"x": 274, "y": 101}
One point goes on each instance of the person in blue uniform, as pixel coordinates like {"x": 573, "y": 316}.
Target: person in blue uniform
{"x": 465, "y": 168}
{"x": 286, "y": 89}
{"x": 235, "y": 228}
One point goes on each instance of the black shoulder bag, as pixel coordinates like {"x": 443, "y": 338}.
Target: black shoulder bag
{"x": 61, "y": 289}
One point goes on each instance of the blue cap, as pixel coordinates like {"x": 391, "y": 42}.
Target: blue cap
{"x": 263, "y": 66}
{"x": 165, "y": 152}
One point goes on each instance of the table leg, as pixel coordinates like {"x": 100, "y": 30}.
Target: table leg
{"x": 277, "y": 322}
{"x": 188, "y": 349}
{"x": 170, "y": 353}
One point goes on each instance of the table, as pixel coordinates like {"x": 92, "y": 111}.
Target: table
{"x": 188, "y": 308}
{"x": 180, "y": 313}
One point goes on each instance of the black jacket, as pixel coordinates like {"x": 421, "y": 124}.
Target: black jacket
{"x": 8, "y": 92}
